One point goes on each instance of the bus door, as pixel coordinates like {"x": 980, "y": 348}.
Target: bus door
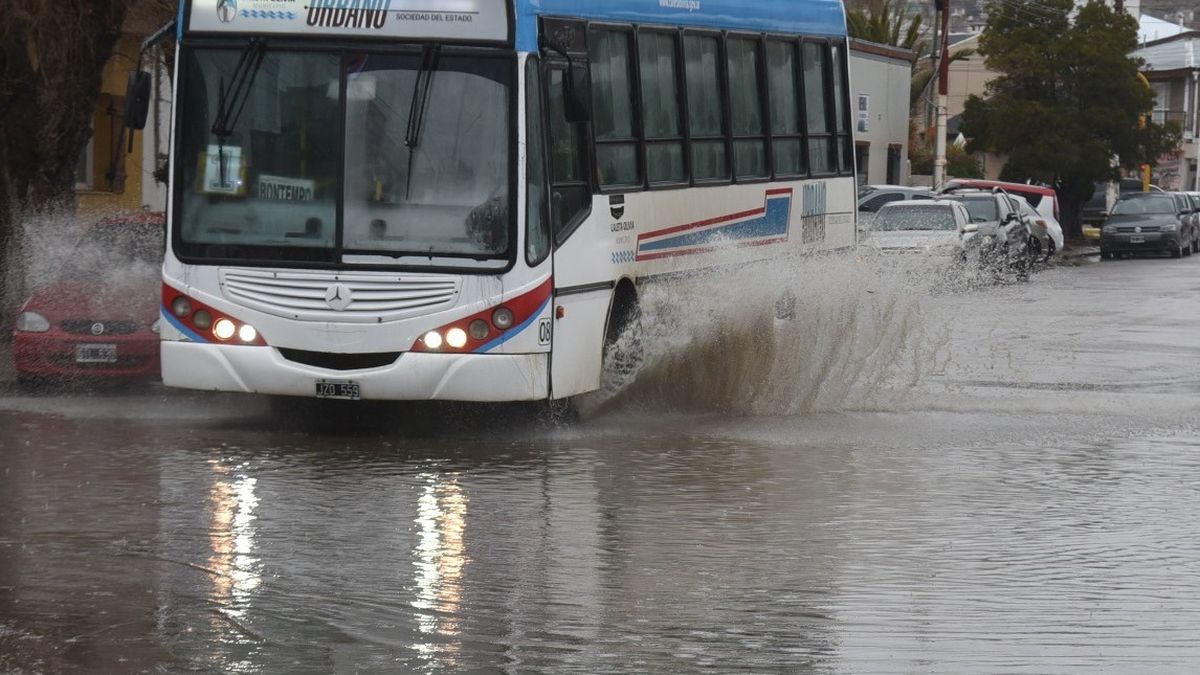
{"x": 581, "y": 299}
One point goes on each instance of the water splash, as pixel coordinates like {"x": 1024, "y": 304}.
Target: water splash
{"x": 858, "y": 337}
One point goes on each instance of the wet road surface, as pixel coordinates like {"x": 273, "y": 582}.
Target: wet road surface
{"x": 1001, "y": 479}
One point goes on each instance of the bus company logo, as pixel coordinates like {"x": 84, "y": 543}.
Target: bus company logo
{"x": 338, "y": 296}
{"x": 97, "y": 328}
{"x": 812, "y": 213}
{"x": 226, "y": 10}
{"x": 348, "y": 13}
{"x": 689, "y": 5}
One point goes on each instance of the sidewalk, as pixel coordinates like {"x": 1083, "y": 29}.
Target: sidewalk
{"x": 1078, "y": 251}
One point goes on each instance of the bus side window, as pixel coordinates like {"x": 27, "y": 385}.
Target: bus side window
{"x": 570, "y": 191}
{"x": 845, "y": 147}
{"x": 537, "y": 225}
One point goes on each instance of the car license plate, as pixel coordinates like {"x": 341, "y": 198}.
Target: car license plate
{"x": 95, "y": 353}
{"x": 1137, "y": 239}
{"x": 344, "y": 389}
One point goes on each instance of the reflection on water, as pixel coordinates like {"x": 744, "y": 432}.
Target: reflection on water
{"x": 235, "y": 570}
{"x": 439, "y": 559}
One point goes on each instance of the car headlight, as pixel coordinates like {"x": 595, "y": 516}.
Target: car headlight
{"x": 1170, "y": 227}
{"x": 1109, "y": 229}
{"x": 32, "y": 322}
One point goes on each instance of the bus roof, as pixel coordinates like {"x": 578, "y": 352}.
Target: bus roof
{"x": 490, "y": 21}
{"x": 807, "y": 17}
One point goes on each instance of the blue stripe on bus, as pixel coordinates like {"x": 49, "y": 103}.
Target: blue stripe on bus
{"x": 187, "y": 332}
{"x": 796, "y": 17}
{"x": 516, "y": 330}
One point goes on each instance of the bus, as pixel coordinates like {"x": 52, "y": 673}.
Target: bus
{"x": 462, "y": 199}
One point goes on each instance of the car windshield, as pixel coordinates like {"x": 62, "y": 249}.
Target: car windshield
{"x": 914, "y": 217}
{"x": 408, "y": 152}
{"x": 114, "y": 249}
{"x": 1154, "y": 204}
{"x": 982, "y": 209}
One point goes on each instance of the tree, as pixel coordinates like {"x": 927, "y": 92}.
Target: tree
{"x": 1067, "y": 98}
{"x": 877, "y": 21}
{"x": 52, "y": 55}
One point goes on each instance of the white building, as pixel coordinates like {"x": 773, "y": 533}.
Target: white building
{"x": 879, "y": 100}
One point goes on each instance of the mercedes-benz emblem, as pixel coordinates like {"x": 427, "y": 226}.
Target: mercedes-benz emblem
{"x": 226, "y": 10}
{"x": 338, "y": 296}
{"x": 97, "y": 328}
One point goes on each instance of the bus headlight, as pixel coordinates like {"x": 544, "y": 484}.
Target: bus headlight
{"x": 181, "y": 307}
{"x": 247, "y": 333}
{"x": 478, "y": 329}
{"x": 224, "y": 329}
{"x": 202, "y": 319}
{"x": 433, "y": 340}
{"x": 502, "y": 318}
{"x": 456, "y": 338}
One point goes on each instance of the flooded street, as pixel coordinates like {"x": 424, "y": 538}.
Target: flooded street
{"x": 900, "y": 479}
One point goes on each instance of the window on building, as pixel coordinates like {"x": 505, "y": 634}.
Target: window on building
{"x": 706, "y": 108}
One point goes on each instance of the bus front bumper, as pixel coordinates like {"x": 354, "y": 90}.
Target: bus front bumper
{"x": 414, "y": 376}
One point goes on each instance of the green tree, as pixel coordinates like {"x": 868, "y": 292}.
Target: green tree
{"x": 878, "y": 21}
{"x": 1066, "y": 100}
{"x": 51, "y": 58}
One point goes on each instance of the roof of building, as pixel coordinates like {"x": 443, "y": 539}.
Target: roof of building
{"x": 1152, "y": 28}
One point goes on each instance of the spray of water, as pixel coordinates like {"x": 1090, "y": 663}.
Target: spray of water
{"x": 837, "y": 332}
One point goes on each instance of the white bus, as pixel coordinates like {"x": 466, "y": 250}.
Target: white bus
{"x": 460, "y": 199}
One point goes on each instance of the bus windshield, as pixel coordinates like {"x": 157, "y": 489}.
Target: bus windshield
{"x": 409, "y": 152}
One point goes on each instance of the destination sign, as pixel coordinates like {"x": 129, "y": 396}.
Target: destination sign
{"x": 444, "y": 20}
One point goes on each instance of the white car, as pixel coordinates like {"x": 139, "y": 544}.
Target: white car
{"x": 919, "y": 226}
{"x": 1044, "y": 226}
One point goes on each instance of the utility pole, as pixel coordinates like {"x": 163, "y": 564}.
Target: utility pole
{"x": 939, "y": 156}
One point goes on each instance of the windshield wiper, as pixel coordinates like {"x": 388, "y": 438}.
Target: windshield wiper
{"x": 231, "y": 100}
{"x": 416, "y": 110}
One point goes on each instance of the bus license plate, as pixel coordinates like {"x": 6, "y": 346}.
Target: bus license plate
{"x": 344, "y": 389}
{"x": 94, "y": 353}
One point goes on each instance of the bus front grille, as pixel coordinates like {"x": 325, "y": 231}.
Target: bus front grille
{"x": 358, "y": 297}
{"x": 340, "y": 361}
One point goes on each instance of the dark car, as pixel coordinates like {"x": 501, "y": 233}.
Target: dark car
{"x": 1149, "y": 222}
{"x": 1095, "y": 210}
{"x": 99, "y": 318}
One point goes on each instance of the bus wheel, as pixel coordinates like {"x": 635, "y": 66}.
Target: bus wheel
{"x": 622, "y": 354}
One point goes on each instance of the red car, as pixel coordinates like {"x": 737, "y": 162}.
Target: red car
{"x": 100, "y": 317}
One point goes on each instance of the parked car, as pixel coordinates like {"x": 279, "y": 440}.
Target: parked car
{"x": 1150, "y": 222}
{"x": 999, "y": 236}
{"x": 919, "y": 226}
{"x": 1046, "y": 229}
{"x": 1044, "y": 200}
{"x": 1095, "y": 210}
{"x": 99, "y": 318}
{"x": 871, "y": 198}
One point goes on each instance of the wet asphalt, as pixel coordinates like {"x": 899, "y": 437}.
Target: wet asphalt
{"x": 984, "y": 478}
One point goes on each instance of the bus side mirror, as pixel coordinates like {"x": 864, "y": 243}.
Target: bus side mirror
{"x": 137, "y": 99}
{"x": 576, "y": 94}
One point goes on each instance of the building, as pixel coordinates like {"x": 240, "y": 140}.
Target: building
{"x": 109, "y": 177}
{"x": 880, "y": 76}
{"x": 1173, "y": 69}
